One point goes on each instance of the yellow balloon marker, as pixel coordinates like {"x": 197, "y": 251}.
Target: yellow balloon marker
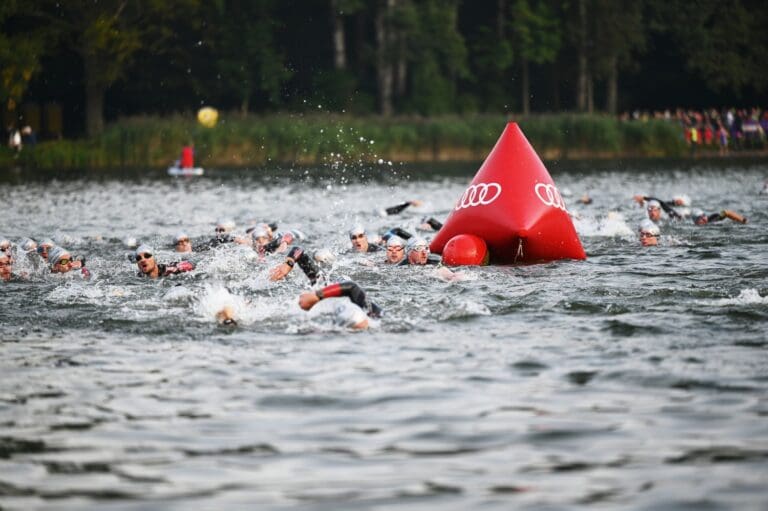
{"x": 207, "y": 116}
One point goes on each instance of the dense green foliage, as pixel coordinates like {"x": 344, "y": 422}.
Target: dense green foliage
{"x": 326, "y": 140}
{"x": 111, "y": 58}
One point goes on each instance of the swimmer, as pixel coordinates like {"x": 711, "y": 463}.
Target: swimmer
{"x": 149, "y": 267}
{"x": 226, "y": 316}
{"x": 395, "y": 250}
{"x": 297, "y": 255}
{"x": 182, "y": 244}
{"x": 393, "y": 210}
{"x": 360, "y": 242}
{"x": 430, "y": 224}
{"x": 585, "y": 199}
{"x": 264, "y": 242}
{"x": 701, "y": 218}
{"x": 61, "y": 261}
{"x": 43, "y": 247}
{"x": 654, "y": 207}
{"x": 353, "y": 317}
{"x": 5, "y": 246}
{"x": 6, "y": 266}
{"x": 223, "y": 230}
{"x": 417, "y": 253}
{"x": 649, "y": 233}
{"x": 28, "y": 245}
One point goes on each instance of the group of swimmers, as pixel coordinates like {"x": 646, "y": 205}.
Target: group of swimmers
{"x": 399, "y": 247}
{"x": 676, "y": 209}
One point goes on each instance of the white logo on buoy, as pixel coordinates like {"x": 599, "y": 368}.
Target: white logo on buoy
{"x": 550, "y": 196}
{"x": 480, "y": 194}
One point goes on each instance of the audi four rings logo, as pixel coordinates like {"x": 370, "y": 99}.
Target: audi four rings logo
{"x": 480, "y": 194}
{"x": 550, "y": 196}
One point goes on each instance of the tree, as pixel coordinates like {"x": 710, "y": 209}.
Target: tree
{"x": 618, "y": 32}
{"x": 537, "y": 37}
{"x": 20, "y": 52}
{"x": 245, "y": 52}
{"x": 107, "y": 34}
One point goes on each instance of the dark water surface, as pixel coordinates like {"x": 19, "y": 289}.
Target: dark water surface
{"x": 637, "y": 379}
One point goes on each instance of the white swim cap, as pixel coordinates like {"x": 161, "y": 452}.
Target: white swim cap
{"x": 346, "y": 314}
{"x": 395, "y": 241}
{"x": 5, "y": 243}
{"x": 225, "y": 223}
{"x": 416, "y": 243}
{"x": 259, "y": 232}
{"x": 649, "y": 227}
{"x": 356, "y": 230}
{"x": 654, "y": 204}
{"x": 180, "y": 236}
{"x": 144, "y": 249}
{"x": 57, "y": 254}
{"x": 28, "y": 245}
{"x": 324, "y": 256}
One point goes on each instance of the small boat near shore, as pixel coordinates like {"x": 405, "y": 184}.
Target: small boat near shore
{"x": 185, "y": 171}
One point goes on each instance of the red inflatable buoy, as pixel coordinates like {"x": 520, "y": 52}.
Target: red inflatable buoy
{"x": 465, "y": 250}
{"x": 514, "y": 205}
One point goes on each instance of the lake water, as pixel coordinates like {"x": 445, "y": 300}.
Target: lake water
{"x": 637, "y": 379}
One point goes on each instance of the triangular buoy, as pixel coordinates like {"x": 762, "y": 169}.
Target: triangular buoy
{"x": 514, "y": 205}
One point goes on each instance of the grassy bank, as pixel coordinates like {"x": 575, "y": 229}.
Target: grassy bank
{"x": 319, "y": 139}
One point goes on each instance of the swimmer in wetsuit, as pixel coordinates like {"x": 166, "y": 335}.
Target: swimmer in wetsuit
{"x": 149, "y": 268}
{"x": 649, "y": 233}
{"x": 360, "y": 242}
{"x": 701, "y": 218}
{"x": 654, "y": 206}
{"x": 395, "y": 250}
{"x": 393, "y": 210}
{"x": 61, "y": 261}
{"x": 417, "y": 253}
{"x": 181, "y": 243}
{"x": 306, "y": 262}
{"x": 352, "y": 317}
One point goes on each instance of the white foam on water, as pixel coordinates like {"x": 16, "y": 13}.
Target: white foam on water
{"x": 613, "y": 225}
{"x": 746, "y": 297}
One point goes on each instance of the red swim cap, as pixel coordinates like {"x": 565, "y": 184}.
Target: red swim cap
{"x": 465, "y": 250}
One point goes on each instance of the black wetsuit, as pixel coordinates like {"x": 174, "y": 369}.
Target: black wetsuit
{"x": 433, "y": 223}
{"x": 393, "y": 210}
{"x": 219, "y": 240}
{"x": 165, "y": 270}
{"x": 297, "y": 255}
{"x": 397, "y": 231}
{"x": 355, "y": 293}
{"x": 667, "y": 206}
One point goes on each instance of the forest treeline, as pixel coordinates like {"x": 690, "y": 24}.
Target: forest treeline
{"x": 106, "y": 59}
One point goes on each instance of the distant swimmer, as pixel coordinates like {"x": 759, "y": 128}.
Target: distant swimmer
{"x": 360, "y": 242}
{"x": 399, "y": 208}
{"x": 43, "y": 247}
{"x": 223, "y": 230}
{"x": 395, "y": 250}
{"x": 297, "y": 256}
{"x": 150, "y": 268}
{"x": 417, "y": 253}
{"x": 351, "y": 314}
{"x": 61, "y": 261}
{"x": 430, "y": 224}
{"x": 6, "y": 246}
{"x": 265, "y": 242}
{"x": 226, "y": 316}
{"x": 585, "y": 199}
{"x": 181, "y": 243}
{"x": 654, "y": 207}
{"x": 649, "y": 233}
{"x": 6, "y": 266}
{"x": 702, "y": 218}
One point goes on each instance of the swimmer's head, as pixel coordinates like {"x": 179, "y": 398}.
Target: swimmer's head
{"x": 225, "y": 225}
{"x": 654, "y": 210}
{"x": 28, "y": 245}
{"x": 5, "y": 245}
{"x": 260, "y": 236}
{"x": 44, "y": 246}
{"x": 181, "y": 243}
{"x": 649, "y": 233}
{"x": 699, "y": 217}
{"x": 6, "y": 264}
{"x": 145, "y": 258}
{"x": 324, "y": 256}
{"x": 681, "y": 200}
{"x": 348, "y": 315}
{"x": 358, "y": 238}
{"x": 395, "y": 249}
{"x": 60, "y": 260}
{"x": 417, "y": 250}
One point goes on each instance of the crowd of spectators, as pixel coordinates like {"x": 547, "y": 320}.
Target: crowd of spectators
{"x": 726, "y": 129}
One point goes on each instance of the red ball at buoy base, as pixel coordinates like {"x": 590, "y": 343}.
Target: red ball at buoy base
{"x": 465, "y": 250}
